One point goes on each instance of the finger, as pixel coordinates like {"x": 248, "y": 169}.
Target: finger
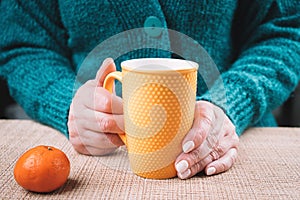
{"x": 87, "y": 138}
{"x": 99, "y": 151}
{"x": 104, "y": 101}
{"x": 88, "y": 150}
{"x": 186, "y": 160}
{"x": 88, "y": 142}
{"x": 72, "y": 126}
{"x": 212, "y": 166}
{"x": 107, "y": 67}
{"x": 198, "y": 132}
{"x": 97, "y": 98}
{"x": 224, "y": 145}
{"x": 103, "y": 122}
{"x": 115, "y": 139}
{"x": 222, "y": 164}
{"x": 94, "y": 139}
{"x": 108, "y": 123}
{"x": 189, "y": 164}
{"x": 200, "y": 157}
{"x": 195, "y": 168}
{"x": 205, "y": 123}
{"x": 95, "y": 121}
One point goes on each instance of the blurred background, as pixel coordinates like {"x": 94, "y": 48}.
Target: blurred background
{"x": 286, "y": 115}
{"x": 8, "y": 108}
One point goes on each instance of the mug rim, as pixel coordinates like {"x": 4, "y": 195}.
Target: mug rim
{"x": 159, "y": 65}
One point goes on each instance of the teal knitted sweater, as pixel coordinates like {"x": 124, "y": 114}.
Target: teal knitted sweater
{"x": 254, "y": 44}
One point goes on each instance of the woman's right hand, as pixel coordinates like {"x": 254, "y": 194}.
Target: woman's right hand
{"x": 96, "y": 116}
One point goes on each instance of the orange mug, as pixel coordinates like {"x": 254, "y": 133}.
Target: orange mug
{"x": 159, "y": 96}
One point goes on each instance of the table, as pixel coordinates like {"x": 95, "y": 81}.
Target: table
{"x": 268, "y": 167}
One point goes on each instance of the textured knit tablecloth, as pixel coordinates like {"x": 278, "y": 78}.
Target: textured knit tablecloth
{"x": 268, "y": 167}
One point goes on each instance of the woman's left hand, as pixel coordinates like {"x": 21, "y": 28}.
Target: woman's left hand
{"x": 210, "y": 145}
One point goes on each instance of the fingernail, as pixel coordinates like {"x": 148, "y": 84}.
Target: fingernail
{"x": 182, "y": 166}
{"x": 185, "y": 174}
{"x": 188, "y": 146}
{"x": 211, "y": 171}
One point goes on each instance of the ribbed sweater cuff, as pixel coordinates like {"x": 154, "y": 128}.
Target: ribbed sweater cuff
{"x": 230, "y": 95}
{"x": 55, "y": 110}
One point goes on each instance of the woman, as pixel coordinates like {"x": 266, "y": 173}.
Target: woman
{"x": 255, "y": 46}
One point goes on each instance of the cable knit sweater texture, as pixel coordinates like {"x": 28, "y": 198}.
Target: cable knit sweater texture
{"x": 255, "y": 45}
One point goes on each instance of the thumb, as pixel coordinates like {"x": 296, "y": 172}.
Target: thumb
{"x": 201, "y": 126}
{"x": 107, "y": 67}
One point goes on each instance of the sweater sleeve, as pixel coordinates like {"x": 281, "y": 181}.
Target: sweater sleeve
{"x": 265, "y": 72}
{"x": 34, "y": 59}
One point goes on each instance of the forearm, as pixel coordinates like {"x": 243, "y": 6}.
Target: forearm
{"x": 41, "y": 82}
{"x": 266, "y": 71}
{"x": 34, "y": 59}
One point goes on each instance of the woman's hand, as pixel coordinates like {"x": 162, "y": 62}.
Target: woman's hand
{"x": 96, "y": 116}
{"x": 210, "y": 145}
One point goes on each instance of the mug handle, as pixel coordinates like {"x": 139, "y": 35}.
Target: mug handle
{"x": 108, "y": 85}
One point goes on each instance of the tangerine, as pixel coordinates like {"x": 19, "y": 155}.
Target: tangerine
{"x": 42, "y": 169}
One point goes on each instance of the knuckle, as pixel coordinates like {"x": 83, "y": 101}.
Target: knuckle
{"x": 106, "y": 103}
{"x": 194, "y": 156}
{"x": 220, "y": 150}
{"x": 205, "y": 104}
{"x": 72, "y": 134}
{"x": 219, "y": 113}
{"x": 231, "y": 125}
{"x": 234, "y": 155}
{"x": 214, "y": 155}
{"x": 71, "y": 117}
{"x": 224, "y": 166}
{"x": 197, "y": 167}
{"x": 72, "y": 131}
{"x": 212, "y": 141}
{"x": 205, "y": 161}
{"x": 90, "y": 82}
{"x": 104, "y": 140}
{"x": 199, "y": 104}
{"x": 77, "y": 145}
{"x": 105, "y": 100}
{"x": 74, "y": 141}
{"x": 232, "y": 128}
{"x": 200, "y": 133}
{"x": 204, "y": 110}
{"x": 235, "y": 140}
{"x": 105, "y": 124}
{"x": 79, "y": 92}
{"x": 70, "y": 124}
{"x": 233, "y": 159}
{"x": 207, "y": 120}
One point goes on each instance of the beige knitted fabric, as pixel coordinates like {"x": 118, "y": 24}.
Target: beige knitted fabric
{"x": 268, "y": 167}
